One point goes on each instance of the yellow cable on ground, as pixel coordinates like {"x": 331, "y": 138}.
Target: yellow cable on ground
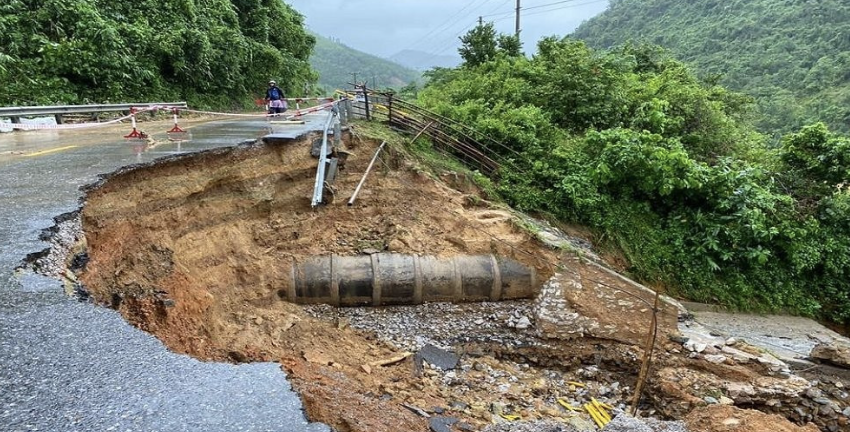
{"x": 601, "y": 409}
{"x": 44, "y": 152}
{"x": 510, "y": 417}
{"x": 577, "y": 384}
{"x": 594, "y": 415}
{"x": 568, "y": 406}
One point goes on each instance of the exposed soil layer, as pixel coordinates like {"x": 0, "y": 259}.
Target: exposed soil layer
{"x": 721, "y": 418}
{"x": 194, "y": 250}
{"x": 198, "y": 251}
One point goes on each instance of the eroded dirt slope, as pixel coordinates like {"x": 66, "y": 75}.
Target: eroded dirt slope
{"x": 198, "y": 250}
{"x": 195, "y": 250}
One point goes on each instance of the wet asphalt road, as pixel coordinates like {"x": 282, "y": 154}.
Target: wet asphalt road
{"x": 72, "y": 366}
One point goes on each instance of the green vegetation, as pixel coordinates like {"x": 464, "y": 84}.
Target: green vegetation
{"x": 212, "y": 53}
{"x": 336, "y": 62}
{"x": 793, "y": 56}
{"x": 665, "y": 168}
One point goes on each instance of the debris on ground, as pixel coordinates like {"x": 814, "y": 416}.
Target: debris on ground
{"x": 193, "y": 250}
{"x": 832, "y": 353}
{"x": 621, "y": 423}
{"x": 442, "y": 424}
{"x": 438, "y": 357}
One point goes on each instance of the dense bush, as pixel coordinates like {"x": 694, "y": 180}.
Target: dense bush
{"x": 666, "y": 170}
{"x": 210, "y": 53}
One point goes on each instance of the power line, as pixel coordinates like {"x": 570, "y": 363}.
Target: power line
{"x": 555, "y": 9}
{"x": 509, "y": 15}
{"x": 433, "y": 30}
{"x": 499, "y": 6}
{"x": 555, "y": 6}
{"x": 446, "y": 25}
{"x": 451, "y": 43}
{"x": 469, "y": 15}
{"x": 512, "y": 12}
{"x": 501, "y": 14}
{"x": 547, "y": 5}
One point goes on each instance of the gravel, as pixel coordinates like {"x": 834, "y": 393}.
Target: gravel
{"x": 441, "y": 324}
{"x": 538, "y": 426}
{"x": 620, "y": 423}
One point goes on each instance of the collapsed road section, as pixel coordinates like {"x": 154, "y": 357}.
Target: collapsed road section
{"x": 220, "y": 255}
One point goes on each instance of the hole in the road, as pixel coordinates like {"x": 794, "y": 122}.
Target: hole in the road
{"x": 211, "y": 252}
{"x": 220, "y": 255}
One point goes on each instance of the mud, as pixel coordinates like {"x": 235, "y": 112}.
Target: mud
{"x": 196, "y": 250}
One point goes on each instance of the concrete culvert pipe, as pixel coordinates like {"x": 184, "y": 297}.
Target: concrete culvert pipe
{"x": 395, "y": 279}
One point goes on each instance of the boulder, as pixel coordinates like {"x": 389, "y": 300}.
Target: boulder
{"x": 589, "y": 300}
{"x": 833, "y": 354}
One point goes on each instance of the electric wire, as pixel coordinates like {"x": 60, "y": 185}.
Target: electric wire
{"x": 513, "y": 11}
{"x": 449, "y": 23}
{"x": 539, "y": 12}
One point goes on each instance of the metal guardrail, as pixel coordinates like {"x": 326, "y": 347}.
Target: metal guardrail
{"x": 16, "y": 112}
{"x": 319, "y": 185}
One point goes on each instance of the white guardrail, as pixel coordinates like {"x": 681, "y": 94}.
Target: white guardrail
{"x": 33, "y": 111}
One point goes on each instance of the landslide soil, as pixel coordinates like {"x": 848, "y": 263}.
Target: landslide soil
{"x": 721, "y": 418}
{"x": 194, "y": 250}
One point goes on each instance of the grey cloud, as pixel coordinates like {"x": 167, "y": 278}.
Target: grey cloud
{"x": 385, "y": 27}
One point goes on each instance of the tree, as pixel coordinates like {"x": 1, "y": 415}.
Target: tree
{"x": 510, "y": 45}
{"x": 817, "y": 161}
{"x": 215, "y": 53}
{"x": 479, "y": 45}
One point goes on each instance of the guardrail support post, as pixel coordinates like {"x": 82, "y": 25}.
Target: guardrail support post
{"x": 349, "y": 111}
{"x": 16, "y": 120}
{"x": 58, "y": 118}
{"x": 366, "y": 100}
{"x": 343, "y": 113}
{"x": 390, "y": 107}
{"x": 337, "y": 134}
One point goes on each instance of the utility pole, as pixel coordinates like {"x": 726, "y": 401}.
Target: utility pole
{"x": 480, "y": 21}
{"x": 355, "y": 77}
{"x": 518, "y": 9}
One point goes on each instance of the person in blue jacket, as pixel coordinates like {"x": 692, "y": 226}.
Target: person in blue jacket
{"x": 275, "y": 99}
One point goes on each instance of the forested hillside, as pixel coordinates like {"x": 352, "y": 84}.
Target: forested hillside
{"x": 793, "y": 56}
{"x": 336, "y": 62}
{"x": 665, "y": 169}
{"x": 210, "y": 53}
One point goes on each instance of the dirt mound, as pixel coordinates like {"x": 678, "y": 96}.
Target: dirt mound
{"x": 722, "y": 418}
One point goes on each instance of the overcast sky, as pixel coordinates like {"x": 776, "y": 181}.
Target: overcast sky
{"x": 385, "y": 27}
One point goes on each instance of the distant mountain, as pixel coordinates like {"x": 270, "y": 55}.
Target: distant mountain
{"x": 792, "y": 56}
{"x": 336, "y": 63}
{"x": 423, "y": 61}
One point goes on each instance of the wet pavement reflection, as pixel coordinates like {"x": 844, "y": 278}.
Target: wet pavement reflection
{"x": 69, "y": 365}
